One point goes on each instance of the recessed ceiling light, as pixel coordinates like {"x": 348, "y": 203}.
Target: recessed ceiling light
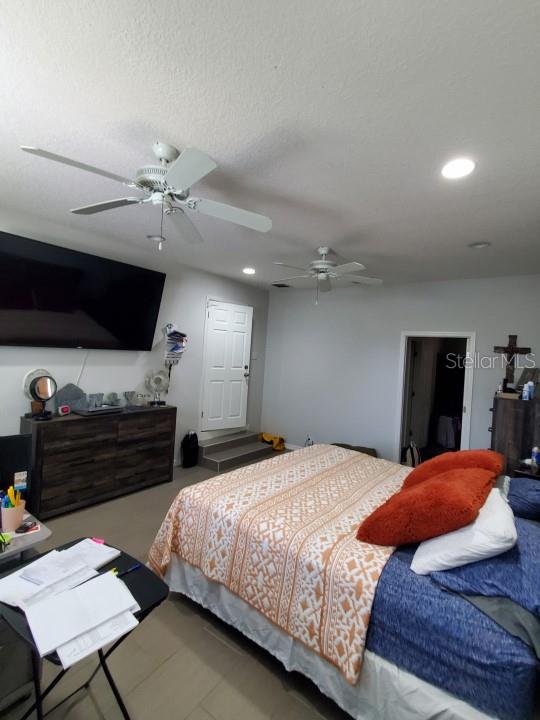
{"x": 479, "y": 245}
{"x": 458, "y": 168}
{"x": 249, "y": 271}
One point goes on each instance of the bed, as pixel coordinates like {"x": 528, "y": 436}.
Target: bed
{"x": 271, "y": 549}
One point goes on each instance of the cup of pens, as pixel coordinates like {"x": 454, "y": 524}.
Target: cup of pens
{"x": 12, "y": 510}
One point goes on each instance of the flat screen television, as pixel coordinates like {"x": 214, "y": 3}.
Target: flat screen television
{"x": 54, "y": 297}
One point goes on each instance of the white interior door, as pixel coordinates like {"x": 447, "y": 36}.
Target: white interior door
{"x": 227, "y": 354}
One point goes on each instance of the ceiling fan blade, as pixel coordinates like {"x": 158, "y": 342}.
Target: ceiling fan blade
{"x": 186, "y": 229}
{"x": 348, "y": 268}
{"x": 295, "y": 277}
{"x": 363, "y": 280}
{"x": 292, "y": 267}
{"x": 190, "y": 167}
{"x": 75, "y": 163}
{"x": 324, "y": 283}
{"x": 230, "y": 213}
{"x": 107, "y": 205}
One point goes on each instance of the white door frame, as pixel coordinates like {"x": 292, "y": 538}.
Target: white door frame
{"x": 225, "y": 431}
{"x": 467, "y": 382}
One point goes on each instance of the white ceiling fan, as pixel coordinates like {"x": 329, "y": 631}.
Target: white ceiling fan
{"x": 168, "y": 185}
{"x": 323, "y": 271}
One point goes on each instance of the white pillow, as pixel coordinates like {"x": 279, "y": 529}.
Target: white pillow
{"x": 503, "y": 484}
{"x": 492, "y": 533}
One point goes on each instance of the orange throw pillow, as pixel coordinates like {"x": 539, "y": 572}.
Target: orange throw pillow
{"x": 485, "y": 459}
{"x": 434, "y": 507}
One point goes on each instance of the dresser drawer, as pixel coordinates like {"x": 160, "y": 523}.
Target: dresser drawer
{"x": 73, "y": 456}
{"x": 143, "y": 426}
{"x": 144, "y": 463}
{"x": 86, "y": 484}
{"x": 79, "y": 431}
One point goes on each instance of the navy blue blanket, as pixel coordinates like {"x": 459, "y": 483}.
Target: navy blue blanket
{"x": 443, "y": 639}
{"x": 524, "y": 498}
{"x": 514, "y": 574}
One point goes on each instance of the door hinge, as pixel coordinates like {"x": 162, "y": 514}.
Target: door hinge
{"x": 202, "y": 413}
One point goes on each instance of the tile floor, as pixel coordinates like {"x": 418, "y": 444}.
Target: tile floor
{"x": 181, "y": 662}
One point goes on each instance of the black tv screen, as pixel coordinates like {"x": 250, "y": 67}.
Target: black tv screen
{"x": 54, "y": 297}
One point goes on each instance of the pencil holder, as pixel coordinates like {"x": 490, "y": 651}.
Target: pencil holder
{"x": 12, "y": 518}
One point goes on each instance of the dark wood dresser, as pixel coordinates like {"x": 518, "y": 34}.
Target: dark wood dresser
{"x": 78, "y": 461}
{"x": 515, "y": 429}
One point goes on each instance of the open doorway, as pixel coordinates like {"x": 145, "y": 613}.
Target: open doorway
{"x": 437, "y": 388}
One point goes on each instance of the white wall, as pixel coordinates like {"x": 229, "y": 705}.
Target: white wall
{"x": 184, "y": 302}
{"x": 332, "y": 368}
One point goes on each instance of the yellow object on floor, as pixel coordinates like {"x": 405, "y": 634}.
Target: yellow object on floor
{"x": 277, "y": 442}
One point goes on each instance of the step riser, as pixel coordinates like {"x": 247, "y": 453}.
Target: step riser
{"x": 227, "y": 437}
{"x": 226, "y": 444}
{"x": 229, "y": 463}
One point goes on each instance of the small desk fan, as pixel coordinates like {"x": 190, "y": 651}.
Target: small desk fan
{"x": 157, "y": 382}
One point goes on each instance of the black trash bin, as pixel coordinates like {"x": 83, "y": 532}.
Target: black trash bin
{"x": 190, "y": 450}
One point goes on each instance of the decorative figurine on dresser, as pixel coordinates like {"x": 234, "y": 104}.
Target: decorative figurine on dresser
{"x": 515, "y": 428}
{"x": 79, "y": 460}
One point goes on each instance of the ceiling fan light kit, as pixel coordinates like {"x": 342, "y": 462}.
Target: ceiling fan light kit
{"x": 167, "y": 184}
{"x": 158, "y": 240}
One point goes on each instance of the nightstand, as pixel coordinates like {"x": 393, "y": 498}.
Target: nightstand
{"x": 520, "y": 472}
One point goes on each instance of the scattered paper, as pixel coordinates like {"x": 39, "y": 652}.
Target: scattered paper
{"x": 88, "y": 643}
{"x": 91, "y": 553}
{"x": 16, "y": 589}
{"x": 69, "y": 606}
{"x": 77, "y": 578}
{"x": 52, "y": 568}
{"x": 56, "y": 620}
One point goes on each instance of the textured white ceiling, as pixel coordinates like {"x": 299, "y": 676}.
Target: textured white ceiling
{"x": 331, "y": 118}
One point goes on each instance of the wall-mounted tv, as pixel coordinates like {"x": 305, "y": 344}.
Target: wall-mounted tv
{"x": 54, "y": 297}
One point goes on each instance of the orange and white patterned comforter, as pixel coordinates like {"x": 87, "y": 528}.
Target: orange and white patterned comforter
{"x": 280, "y": 534}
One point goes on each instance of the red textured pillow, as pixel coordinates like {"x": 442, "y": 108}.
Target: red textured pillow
{"x": 434, "y": 507}
{"x": 485, "y": 459}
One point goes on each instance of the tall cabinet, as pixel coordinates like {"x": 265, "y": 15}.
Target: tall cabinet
{"x": 78, "y": 461}
{"x": 515, "y": 429}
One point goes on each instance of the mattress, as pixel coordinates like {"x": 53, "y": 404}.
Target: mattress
{"x": 281, "y": 534}
{"x": 384, "y": 691}
{"x": 446, "y": 641}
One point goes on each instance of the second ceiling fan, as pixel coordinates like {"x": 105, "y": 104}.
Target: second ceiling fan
{"x": 167, "y": 185}
{"x": 323, "y": 271}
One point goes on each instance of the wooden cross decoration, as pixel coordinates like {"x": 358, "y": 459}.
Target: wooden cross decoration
{"x": 510, "y": 352}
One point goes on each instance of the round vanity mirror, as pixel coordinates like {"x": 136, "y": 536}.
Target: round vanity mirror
{"x": 40, "y": 387}
{"x": 43, "y": 388}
